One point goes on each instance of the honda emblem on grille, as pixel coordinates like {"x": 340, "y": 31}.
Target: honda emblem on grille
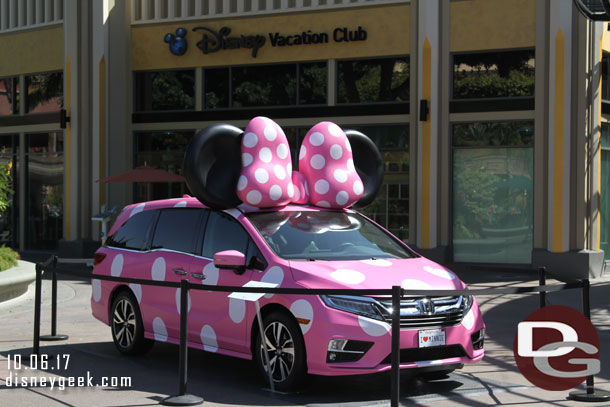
{"x": 425, "y": 306}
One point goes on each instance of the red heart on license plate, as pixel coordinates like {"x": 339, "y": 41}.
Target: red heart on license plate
{"x": 426, "y": 339}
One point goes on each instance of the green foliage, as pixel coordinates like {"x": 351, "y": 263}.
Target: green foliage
{"x": 474, "y": 195}
{"x": 8, "y": 258}
{"x": 382, "y": 80}
{"x": 172, "y": 90}
{"x": 43, "y": 88}
{"x": 5, "y": 186}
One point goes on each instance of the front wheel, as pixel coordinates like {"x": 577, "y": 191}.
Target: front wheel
{"x": 285, "y": 349}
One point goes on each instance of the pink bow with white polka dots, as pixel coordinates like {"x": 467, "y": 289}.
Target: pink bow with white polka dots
{"x": 327, "y": 176}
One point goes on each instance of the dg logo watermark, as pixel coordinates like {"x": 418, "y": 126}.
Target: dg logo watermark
{"x": 556, "y": 348}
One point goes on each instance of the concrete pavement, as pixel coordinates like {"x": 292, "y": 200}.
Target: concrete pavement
{"x": 226, "y": 381}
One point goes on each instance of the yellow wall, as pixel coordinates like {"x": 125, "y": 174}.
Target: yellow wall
{"x": 492, "y": 24}
{"x": 32, "y": 51}
{"x": 605, "y": 38}
{"x": 387, "y": 34}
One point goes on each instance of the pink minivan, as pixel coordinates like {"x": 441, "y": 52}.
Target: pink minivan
{"x": 297, "y": 246}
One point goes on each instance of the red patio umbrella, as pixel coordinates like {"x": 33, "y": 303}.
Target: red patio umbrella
{"x": 144, "y": 173}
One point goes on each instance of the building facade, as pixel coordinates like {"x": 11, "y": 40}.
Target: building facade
{"x": 489, "y": 114}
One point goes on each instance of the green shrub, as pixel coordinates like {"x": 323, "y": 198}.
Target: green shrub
{"x": 8, "y": 258}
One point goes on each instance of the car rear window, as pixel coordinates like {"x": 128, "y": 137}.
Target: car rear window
{"x": 135, "y": 233}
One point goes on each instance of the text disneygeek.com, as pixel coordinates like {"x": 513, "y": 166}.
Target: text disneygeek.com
{"x": 32, "y": 374}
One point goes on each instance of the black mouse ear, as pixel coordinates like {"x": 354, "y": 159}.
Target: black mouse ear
{"x": 369, "y": 165}
{"x": 212, "y": 164}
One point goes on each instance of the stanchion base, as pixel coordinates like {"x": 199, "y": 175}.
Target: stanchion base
{"x": 54, "y": 337}
{"x": 183, "y": 400}
{"x": 596, "y": 397}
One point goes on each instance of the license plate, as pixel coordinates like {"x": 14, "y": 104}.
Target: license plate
{"x": 431, "y": 337}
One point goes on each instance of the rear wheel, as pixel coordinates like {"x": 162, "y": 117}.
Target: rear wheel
{"x": 127, "y": 328}
{"x": 285, "y": 349}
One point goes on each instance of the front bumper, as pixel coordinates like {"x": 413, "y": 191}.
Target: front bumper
{"x": 342, "y": 325}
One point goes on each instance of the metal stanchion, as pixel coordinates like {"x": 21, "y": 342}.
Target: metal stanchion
{"x": 591, "y": 394}
{"x": 541, "y": 282}
{"x": 182, "y": 398}
{"x": 395, "y": 379}
{"x": 54, "y": 336}
{"x": 37, "y": 305}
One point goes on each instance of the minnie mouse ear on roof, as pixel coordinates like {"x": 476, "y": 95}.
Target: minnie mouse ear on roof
{"x": 212, "y": 163}
{"x": 369, "y": 165}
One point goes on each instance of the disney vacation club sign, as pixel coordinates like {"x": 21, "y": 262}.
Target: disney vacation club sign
{"x": 214, "y": 41}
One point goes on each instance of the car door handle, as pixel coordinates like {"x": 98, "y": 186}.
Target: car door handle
{"x": 199, "y": 276}
{"x": 180, "y": 272}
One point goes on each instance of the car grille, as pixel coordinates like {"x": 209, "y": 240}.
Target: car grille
{"x": 432, "y": 353}
{"x": 432, "y": 312}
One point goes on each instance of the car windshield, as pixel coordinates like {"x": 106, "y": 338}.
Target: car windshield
{"x": 325, "y": 235}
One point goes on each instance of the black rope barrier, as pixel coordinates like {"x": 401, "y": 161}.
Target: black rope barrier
{"x": 396, "y": 292}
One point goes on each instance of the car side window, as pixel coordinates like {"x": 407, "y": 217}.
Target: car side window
{"x": 223, "y": 233}
{"x": 135, "y": 233}
{"x": 177, "y": 229}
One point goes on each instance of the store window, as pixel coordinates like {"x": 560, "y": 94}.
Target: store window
{"x": 163, "y": 150}
{"x": 493, "y": 192}
{"x": 164, "y": 90}
{"x": 373, "y": 80}
{"x": 391, "y": 207}
{"x": 265, "y": 85}
{"x": 44, "y": 169}
{"x": 9, "y": 220}
{"x": 45, "y": 92}
{"x": 9, "y": 96}
{"x": 605, "y": 192}
{"x": 505, "y": 74}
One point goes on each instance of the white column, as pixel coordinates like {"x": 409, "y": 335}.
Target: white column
{"x": 198, "y": 8}
{"x": 185, "y": 8}
{"x": 13, "y": 11}
{"x": 30, "y": 12}
{"x": 48, "y": 11}
{"x": 171, "y": 9}
{"x": 39, "y": 12}
{"x": 22, "y": 18}
{"x": 226, "y": 7}
{"x": 58, "y": 13}
{"x": 5, "y": 17}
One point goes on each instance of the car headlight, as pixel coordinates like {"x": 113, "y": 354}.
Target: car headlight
{"x": 355, "y": 305}
{"x": 467, "y": 300}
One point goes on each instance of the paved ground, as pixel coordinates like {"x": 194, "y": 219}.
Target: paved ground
{"x": 227, "y": 381}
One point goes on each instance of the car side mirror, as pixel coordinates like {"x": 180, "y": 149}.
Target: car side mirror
{"x": 230, "y": 259}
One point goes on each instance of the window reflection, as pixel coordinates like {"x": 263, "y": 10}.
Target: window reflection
{"x": 45, "y": 181}
{"x": 492, "y": 195}
{"x": 9, "y": 96}
{"x": 268, "y": 85}
{"x": 165, "y": 90}
{"x": 373, "y": 80}
{"x": 45, "y": 92}
{"x": 163, "y": 150}
{"x": 9, "y": 221}
{"x": 493, "y": 74}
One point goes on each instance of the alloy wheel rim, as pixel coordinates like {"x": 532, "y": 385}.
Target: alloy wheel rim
{"x": 124, "y": 323}
{"x": 280, "y": 348}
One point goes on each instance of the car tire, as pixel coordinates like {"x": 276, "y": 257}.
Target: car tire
{"x": 126, "y": 325}
{"x": 289, "y": 366}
